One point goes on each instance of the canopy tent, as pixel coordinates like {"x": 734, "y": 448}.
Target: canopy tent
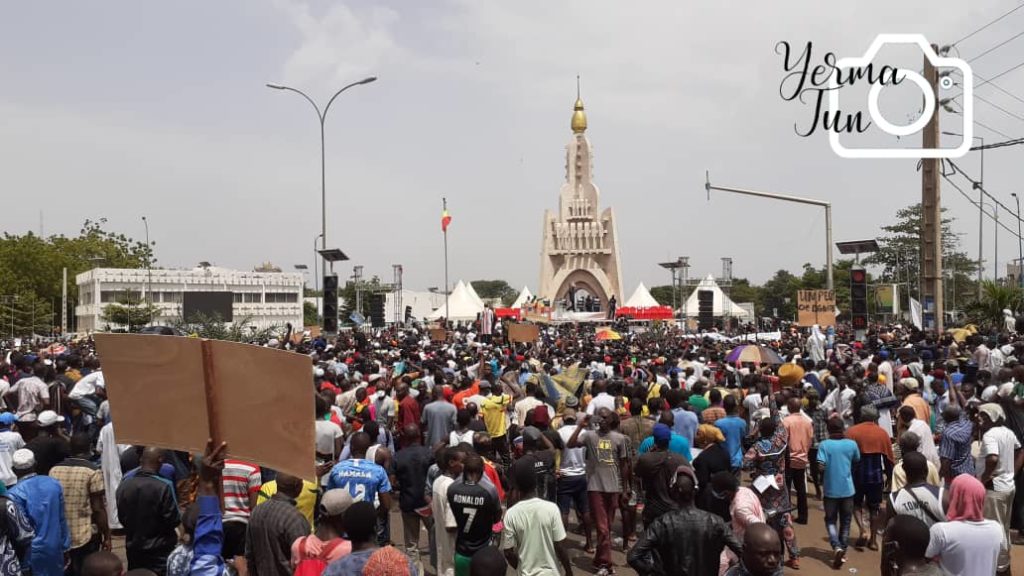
{"x": 472, "y": 294}
{"x": 524, "y": 297}
{"x": 641, "y": 298}
{"x": 722, "y": 305}
{"x": 463, "y": 305}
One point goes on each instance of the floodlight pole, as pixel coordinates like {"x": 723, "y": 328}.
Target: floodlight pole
{"x": 826, "y": 205}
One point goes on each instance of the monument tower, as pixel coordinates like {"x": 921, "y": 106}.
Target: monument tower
{"x": 580, "y": 249}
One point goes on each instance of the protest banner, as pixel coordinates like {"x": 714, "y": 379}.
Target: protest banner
{"x": 438, "y": 335}
{"x": 175, "y": 392}
{"x": 816, "y": 307}
{"x": 520, "y": 332}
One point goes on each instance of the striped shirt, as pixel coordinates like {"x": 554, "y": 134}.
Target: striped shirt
{"x": 955, "y": 446}
{"x": 241, "y": 479}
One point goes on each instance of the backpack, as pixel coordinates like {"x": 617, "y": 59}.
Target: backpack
{"x": 314, "y": 566}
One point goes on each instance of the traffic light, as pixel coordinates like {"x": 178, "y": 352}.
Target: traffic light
{"x": 330, "y": 324}
{"x": 859, "y": 298}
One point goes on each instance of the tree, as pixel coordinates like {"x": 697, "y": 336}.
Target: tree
{"x": 214, "y": 328}
{"x": 663, "y": 294}
{"x": 132, "y": 315}
{"x": 31, "y": 267}
{"x": 310, "y": 315}
{"x": 495, "y": 289}
{"x": 899, "y": 255}
{"x": 779, "y": 295}
{"x": 995, "y": 297}
{"x": 347, "y": 294}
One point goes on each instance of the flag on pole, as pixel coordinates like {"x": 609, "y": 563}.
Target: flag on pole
{"x": 446, "y": 219}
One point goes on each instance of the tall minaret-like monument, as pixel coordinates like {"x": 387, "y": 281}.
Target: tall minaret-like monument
{"x": 579, "y": 253}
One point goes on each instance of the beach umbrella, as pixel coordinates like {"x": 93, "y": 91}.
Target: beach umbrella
{"x": 753, "y": 353}
{"x": 607, "y": 334}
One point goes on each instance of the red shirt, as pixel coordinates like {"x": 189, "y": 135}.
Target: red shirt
{"x": 409, "y": 412}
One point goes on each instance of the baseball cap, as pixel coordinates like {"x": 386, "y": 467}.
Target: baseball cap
{"x": 7, "y": 419}
{"x": 662, "y": 433}
{"x": 335, "y": 502}
{"x": 48, "y": 418}
{"x": 23, "y": 459}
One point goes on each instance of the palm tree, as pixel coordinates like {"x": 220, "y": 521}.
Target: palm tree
{"x": 995, "y": 297}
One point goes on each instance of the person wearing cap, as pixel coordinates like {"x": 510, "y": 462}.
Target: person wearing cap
{"x": 327, "y": 543}
{"x": 1003, "y": 459}
{"x": 911, "y": 392}
{"x": 10, "y": 441}
{"x": 50, "y": 446}
{"x": 655, "y": 469}
{"x": 533, "y": 537}
{"x": 571, "y": 484}
{"x": 41, "y": 500}
{"x": 687, "y": 540}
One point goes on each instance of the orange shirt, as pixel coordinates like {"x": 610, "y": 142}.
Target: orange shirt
{"x": 922, "y": 411}
{"x": 801, "y": 434}
{"x": 463, "y": 395}
{"x": 871, "y": 439}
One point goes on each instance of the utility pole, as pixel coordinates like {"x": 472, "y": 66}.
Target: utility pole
{"x": 63, "y": 305}
{"x": 931, "y": 215}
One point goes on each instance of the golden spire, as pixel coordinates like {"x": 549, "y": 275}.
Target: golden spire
{"x": 579, "y": 117}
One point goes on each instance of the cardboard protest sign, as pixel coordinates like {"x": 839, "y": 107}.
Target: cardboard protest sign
{"x": 438, "y": 335}
{"x": 523, "y": 333}
{"x": 816, "y": 307}
{"x": 176, "y": 392}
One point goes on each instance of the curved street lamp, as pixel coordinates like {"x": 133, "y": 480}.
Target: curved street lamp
{"x": 322, "y": 116}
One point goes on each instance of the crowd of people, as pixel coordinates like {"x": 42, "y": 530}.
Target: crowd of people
{"x": 490, "y": 454}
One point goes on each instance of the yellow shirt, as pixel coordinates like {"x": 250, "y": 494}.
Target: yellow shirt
{"x": 494, "y": 414}
{"x": 305, "y": 503}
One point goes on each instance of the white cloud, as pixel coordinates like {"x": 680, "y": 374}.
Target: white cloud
{"x": 339, "y": 46}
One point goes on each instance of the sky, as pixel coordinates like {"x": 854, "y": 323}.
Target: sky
{"x": 125, "y": 109}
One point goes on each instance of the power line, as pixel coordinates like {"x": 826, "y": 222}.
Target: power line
{"x": 1019, "y": 6}
{"x": 1000, "y": 108}
{"x": 975, "y": 204}
{"x": 978, "y": 186}
{"x": 1013, "y": 142}
{"x": 997, "y": 46}
{"x": 993, "y": 130}
{"x": 992, "y": 84}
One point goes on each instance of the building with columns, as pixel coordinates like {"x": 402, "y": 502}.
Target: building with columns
{"x": 580, "y": 252}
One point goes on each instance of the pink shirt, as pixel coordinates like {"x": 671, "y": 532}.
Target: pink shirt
{"x": 801, "y": 435}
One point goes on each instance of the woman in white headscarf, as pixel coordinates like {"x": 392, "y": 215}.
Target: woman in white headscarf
{"x": 816, "y": 344}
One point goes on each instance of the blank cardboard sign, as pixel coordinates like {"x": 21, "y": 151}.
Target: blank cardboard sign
{"x": 258, "y": 400}
{"x": 263, "y": 405}
{"x": 156, "y": 390}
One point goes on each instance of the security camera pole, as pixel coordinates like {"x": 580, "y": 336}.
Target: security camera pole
{"x": 826, "y": 205}
{"x": 932, "y": 304}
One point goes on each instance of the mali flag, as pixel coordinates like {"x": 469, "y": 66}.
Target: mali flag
{"x": 446, "y": 219}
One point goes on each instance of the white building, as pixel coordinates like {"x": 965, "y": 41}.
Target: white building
{"x": 264, "y": 299}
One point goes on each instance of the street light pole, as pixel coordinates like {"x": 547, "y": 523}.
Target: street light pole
{"x": 149, "y": 272}
{"x": 1020, "y": 242}
{"x": 322, "y": 116}
{"x": 826, "y": 205}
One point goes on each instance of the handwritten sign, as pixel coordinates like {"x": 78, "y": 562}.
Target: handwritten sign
{"x": 816, "y": 307}
{"x": 523, "y": 333}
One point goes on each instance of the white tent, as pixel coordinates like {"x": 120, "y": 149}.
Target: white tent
{"x": 641, "y": 298}
{"x": 472, "y": 294}
{"x": 722, "y": 305}
{"x": 422, "y": 304}
{"x": 523, "y": 298}
{"x": 462, "y": 303}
